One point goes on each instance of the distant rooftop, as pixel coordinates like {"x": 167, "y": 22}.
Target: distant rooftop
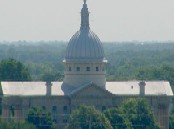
{"x": 152, "y": 88}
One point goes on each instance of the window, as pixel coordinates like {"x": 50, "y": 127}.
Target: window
{"x": 87, "y": 68}
{"x": 69, "y": 68}
{"x": 65, "y": 120}
{"x": 78, "y": 69}
{"x": 43, "y": 107}
{"x": 54, "y": 114}
{"x": 116, "y": 106}
{"x": 12, "y": 110}
{"x": 54, "y": 108}
{"x": 97, "y": 68}
{"x": 103, "y": 108}
{"x": 65, "y": 108}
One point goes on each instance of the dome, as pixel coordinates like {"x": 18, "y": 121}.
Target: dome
{"x": 84, "y": 58}
{"x": 84, "y": 45}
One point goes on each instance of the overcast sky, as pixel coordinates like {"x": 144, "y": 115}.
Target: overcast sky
{"x": 111, "y": 20}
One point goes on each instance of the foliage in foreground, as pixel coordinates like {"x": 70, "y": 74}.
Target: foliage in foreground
{"x": 86, "y": 117}
{"x": 139, "y": 113}
{"x": 40, "y": 118}
{"x": 15, "y": 125}
{"x": 132, "y": 114}
{"x": 117, "y": 119}
{"x": 171, "y": 119}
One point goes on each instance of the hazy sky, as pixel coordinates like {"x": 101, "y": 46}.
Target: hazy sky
{"x": 111, "y": 20}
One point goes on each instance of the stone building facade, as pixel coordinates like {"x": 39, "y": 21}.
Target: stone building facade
{"x": 84, "y": 83}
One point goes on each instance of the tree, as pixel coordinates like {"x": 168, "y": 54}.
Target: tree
{"x": 12, "y": 70}
{"x": 171, "y": 119}
{"x": 40, "y": 118}
{"x": 139, "y": 113}
{"x": 52, "y": 76}
{"x": 117, "y": 119}
{"x": 87, "y": 117}
{"x": 16, "y": 125}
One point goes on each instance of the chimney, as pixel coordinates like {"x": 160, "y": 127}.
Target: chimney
{"x": 48, "y": 88}
{"x": 142, "y": 85}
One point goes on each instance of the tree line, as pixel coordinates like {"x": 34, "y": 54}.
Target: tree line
{"x": 126, "y": 61}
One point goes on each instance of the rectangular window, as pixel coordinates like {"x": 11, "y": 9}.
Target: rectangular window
{"x": 54, "y": 114}
{"x": 12, "y": 110}
{"x": 43, "y": 107}
{"x": 69, "y": 68}
{"x": 65, "y": 120}
{"x": 65, "y": 110}
{"x": 78, "y": 68}
{"x": 87, "y": 68}
{"x": 103, "y": 108}
{"x": 97, "y": 68}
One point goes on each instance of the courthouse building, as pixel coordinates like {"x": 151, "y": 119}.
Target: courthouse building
{"x": 84, "y": 83}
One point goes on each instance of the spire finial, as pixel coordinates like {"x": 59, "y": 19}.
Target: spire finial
{"x": 84, "y": 16}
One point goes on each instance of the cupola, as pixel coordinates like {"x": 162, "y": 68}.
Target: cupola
{"x": 84, "y": 58}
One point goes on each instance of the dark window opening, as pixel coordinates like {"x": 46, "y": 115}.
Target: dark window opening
{"x": 78, "y": 68}
{"x": 69, "y": 68}
{"x": 87, "y": 68}
{"x": 43, "y": 107}
{"x": 97, "y": 68}
{"x": 54, "y": 108}
{"x": 103, "y": 108}
{"x": 65, "y": 108}
{"x": 12, "y": 110}
{"x": 65, "y": 120}
{"x": 54, "y": 114}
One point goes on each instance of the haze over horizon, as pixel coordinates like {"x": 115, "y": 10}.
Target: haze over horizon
{"x": 113, "y": 20}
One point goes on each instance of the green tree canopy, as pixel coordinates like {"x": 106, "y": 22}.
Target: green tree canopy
{"x": 16, "y": 125}
{"x": 40, "y": 118}
{"x": 12, "y": 70}
{"x": 139, "y": 113}
{"x": 52, "y": 76}
{"x": 117, "y": 118}
{"x": 171, "y": 119}
{"x": 86, "y": 117}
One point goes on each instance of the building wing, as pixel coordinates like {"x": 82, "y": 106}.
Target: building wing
{"x": 133, "y": 88}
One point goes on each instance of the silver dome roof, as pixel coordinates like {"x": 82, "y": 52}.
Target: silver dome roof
{"x": 84, "y": 45}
